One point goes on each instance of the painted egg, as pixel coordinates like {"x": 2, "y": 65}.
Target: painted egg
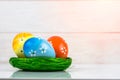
{"x": 59, "y": 45}
{"x": 38, "y": 47}
{"x": 18, "y": 42}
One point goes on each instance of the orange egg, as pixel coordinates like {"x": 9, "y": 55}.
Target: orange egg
{"x": 19, "y": 41}
{"x": 59, "y": 45}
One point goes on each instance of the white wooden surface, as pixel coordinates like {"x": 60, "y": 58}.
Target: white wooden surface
{"x": 60, "y": 16}
{"x": 76, "y": 71}
{"x": 84, "y": 48}
{"x": 67, "y": 19}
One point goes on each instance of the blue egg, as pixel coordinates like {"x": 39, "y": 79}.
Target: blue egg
{"x": 38, "y": 47}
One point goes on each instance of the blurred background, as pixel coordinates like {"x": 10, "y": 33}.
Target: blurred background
{"x": 91, "y": 27}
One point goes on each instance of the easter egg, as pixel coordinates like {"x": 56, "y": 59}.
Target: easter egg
{"x": 59, "y": 45}
{"x": 18, "y": 42}
{"x": 38, "y": 47}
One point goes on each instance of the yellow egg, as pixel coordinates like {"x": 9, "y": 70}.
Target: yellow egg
{"x": 19, "y": 41}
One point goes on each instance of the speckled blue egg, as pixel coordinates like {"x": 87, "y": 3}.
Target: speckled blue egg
{"x": 38, "y": 47}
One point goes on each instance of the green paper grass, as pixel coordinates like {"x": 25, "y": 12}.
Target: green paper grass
{"x": 41, "y": 63}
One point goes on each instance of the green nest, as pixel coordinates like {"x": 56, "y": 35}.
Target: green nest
{"x": 41, "y": 63}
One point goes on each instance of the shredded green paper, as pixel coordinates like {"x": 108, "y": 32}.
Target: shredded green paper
{"x": 41, "y": 63}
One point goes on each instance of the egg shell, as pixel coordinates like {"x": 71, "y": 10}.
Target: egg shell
{"x": 38, "y": 47}
{"x": 59, "y": 45}
{"x": 19, "y": 41}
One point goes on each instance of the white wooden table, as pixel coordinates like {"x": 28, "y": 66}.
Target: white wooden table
{"x": 76, "y": 71}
